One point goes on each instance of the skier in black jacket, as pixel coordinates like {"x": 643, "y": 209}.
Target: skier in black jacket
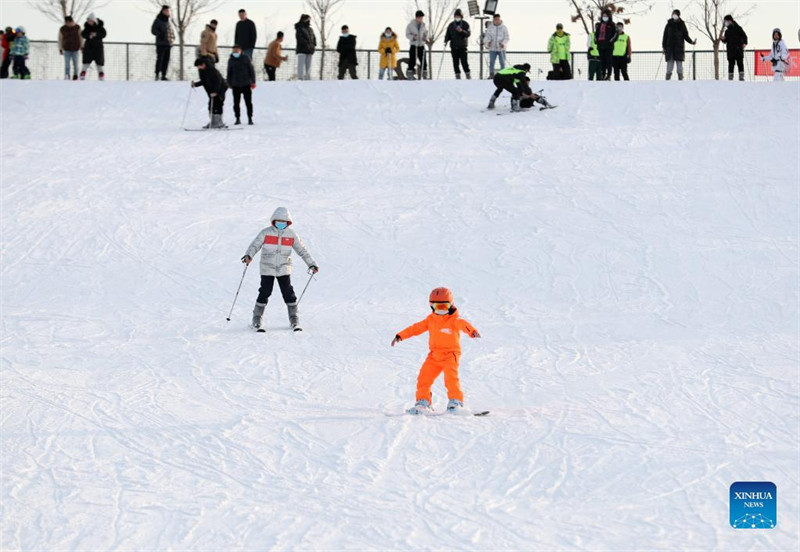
{"x": 605, "y": 33}
{"x": 246, "y": 35}
{"x": 93, "y": 51}
{"x": 348, "y": 60}
{"x": 510, "y": 79}
{"x": 458, "y": 36}
{"x": 215, "y": 86}
{"x": 675, "y": 34}
{"x": 164, "y": 38}
{"x": 242, "y": 80}
{"x": 735, "y": 40}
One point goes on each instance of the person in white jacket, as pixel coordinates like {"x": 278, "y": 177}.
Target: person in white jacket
{"x": 496, "y": 40}
{"x": 779, "y": 55}
{"x": 276, "y": 243}
{"x": 417, "y": 35}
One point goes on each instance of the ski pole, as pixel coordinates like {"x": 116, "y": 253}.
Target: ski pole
{"x": 305, "y": 288}
{"x": 237, "y": 292}
{"x": 659, "y": 65}
{"x": 185, "y": 111}
{"x": 441, "y": 62}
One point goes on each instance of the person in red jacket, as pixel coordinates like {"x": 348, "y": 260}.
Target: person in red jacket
{"x": 8, "y": 39}
{"x": 444, "y": 327}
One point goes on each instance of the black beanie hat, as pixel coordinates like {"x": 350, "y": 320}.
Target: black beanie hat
{"x": 419, "y": 13}
{"x": 676, "y": 12}
{"x": 458, "y": 13}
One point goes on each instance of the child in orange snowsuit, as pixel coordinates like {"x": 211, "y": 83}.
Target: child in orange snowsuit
{"x": 444, "y": 327}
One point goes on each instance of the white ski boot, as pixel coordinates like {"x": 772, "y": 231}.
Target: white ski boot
{"x": 258, "y": 312}
{"x": 422, "y": 407}
{"x": 454, "y": 406}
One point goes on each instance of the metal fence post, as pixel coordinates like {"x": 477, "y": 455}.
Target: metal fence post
{"x": 694, "y": 65}
{"x": 127, "y": 61}
{"x": 572, "y": 62}
{"x": 369, "y": 64}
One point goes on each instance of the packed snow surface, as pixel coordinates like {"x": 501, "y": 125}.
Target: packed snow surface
{"x": 630, "y": 258}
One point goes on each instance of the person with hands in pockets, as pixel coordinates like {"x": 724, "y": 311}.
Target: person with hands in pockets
{"x": 444, "y": 327}
{"x": 276, "y": 243}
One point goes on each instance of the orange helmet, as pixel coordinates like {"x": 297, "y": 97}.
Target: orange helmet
{"x": 441, "y": 295}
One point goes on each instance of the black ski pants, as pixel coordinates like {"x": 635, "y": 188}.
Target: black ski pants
{"x": 621, "y": 66}
{"x": 238, "y": 92}
{"x": 216, "y": 103}
{"x": 414, "y": 53}
{"x": 460, "y": 57}
{"x": 505, "y": 82}
{"x": 4, "y": 67}
{"x": 270, "y": 72}
{"x": 606, "y": 63}
{"x": 162, "y": 60}
{"x": 284, "y": 282}
{"x": 736, "y": 61}
{"x": 347, "y": 67}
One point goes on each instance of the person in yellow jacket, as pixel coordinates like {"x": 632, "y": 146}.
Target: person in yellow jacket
{"x": 444, "y": 327}
{"x": 622, "y": 53}
{"x": 559, "y": 46}
{"x": 388, "y": 48}
{"x": 208, "y": 42}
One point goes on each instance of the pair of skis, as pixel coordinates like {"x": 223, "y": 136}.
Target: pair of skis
{"x": 264, "y": 330}
{"x": 436, "y": 414}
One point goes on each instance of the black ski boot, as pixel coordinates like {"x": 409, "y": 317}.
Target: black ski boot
{"x": 258, "y": 312}
{"x": 238, "y": 121}
{"x": 294, "y": 316}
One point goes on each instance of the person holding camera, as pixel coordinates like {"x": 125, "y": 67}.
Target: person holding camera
{"x": 457, "y": 35}
{"x": 417, "y": 35}
{"x": 735, "y": 40}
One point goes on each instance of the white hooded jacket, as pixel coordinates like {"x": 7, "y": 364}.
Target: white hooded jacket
{"x": 418, "y": 30}
{"x": 496, "y": 37}
{"x": 276, "y": 247}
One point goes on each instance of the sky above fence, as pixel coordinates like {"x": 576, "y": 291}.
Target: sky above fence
{"x": 530, "y": 22}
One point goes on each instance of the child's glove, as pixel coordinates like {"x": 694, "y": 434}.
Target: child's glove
{"x": 313, "y": 269}
{"x": 396, "y": 340}
{"x": 246, "y": 259}
{"x": 475, "y": 334}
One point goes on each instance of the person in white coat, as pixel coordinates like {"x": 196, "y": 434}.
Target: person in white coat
{"x": 779, "y": 55}
{"x": 276, "y": 243}
{"x": 496, "y": 40}
{"x": 417, "y": 35}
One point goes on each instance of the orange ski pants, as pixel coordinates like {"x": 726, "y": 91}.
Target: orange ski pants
{"x": 435, "y": 364}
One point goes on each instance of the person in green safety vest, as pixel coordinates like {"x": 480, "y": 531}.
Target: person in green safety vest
{"x": 510, "y": 79}
{"x": 622, "y": 53}
{"x": 594, "y": 58}
{"x": 558, "y": 46}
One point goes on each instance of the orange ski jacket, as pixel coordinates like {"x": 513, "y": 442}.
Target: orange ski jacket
{"x": 444, "y": 332}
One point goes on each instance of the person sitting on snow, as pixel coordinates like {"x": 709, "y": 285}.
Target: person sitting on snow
{"x": 276, "y": 243}
{"x": 528, "y": 97}
{"x": 444, "y": 327}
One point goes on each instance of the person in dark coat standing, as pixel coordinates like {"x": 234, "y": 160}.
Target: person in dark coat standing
{"x": 348, "y": 60}
{"x": 735, "y": 40}
{"x": 69, "y": 46}
{"x": 215, "y": 86}
{"x": 242, "y": 80}
{"x": 306, "y": 45}
{"x": 457, "y": 35}
{"x": 165, "y": 36}
{"x": 8, "y": 41}
{"x": 605, "y": 33}
{"x": 93, "y": 51}
{"x": 246, "y": 35}
{"x": 675, "y": 34}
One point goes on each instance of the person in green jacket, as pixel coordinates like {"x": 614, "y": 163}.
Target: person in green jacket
{"x": 558, "y": 46}
{"x": 622, "y": 53}
{"x": 511, "y": 80}
{"x": 593, "y": 54}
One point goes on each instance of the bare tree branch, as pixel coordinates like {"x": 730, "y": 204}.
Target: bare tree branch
{"x": 321, "y": 14}
{"x": 622, "y": 9}
{"x": 57, "y": 10}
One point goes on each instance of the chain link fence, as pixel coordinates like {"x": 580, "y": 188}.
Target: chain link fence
{"x": 136, "y": 62}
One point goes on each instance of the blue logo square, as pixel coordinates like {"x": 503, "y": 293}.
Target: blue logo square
{"x": 754, "y": 505}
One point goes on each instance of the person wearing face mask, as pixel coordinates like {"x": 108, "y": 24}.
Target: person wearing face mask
{"x": 622, "y": 53}
{"x": 208, "y": 42}
{"x": 305, "y": 47}
{"x": 495, "y": 40}
{"x": 348, "y": 60}
{"x": 735, "y": 40}
{"x": 778, "y": 56}
{"x": 457, "y": 35}
{"x": 559, "y": 46}
{"x": 388, "y": 48}
{"x": 276, "y": 243}
{"x": 605, "y": 34}
{"x": 675, "y": 35}
{"x": 242, "y": 80}
{"x": 444, "y": 327}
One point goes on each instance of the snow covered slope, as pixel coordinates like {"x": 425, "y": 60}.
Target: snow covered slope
{"x": 631, "y": 259}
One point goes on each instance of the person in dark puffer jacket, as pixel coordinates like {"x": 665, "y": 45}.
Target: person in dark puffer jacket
{"x": 93, "y": 50}
{"x": 305, "y": 47}
{"x": 215, "y": 86}
{"x": 735, "y": 40}
{"x": 675, "y": 34}
{"x": 242, "y": 80}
